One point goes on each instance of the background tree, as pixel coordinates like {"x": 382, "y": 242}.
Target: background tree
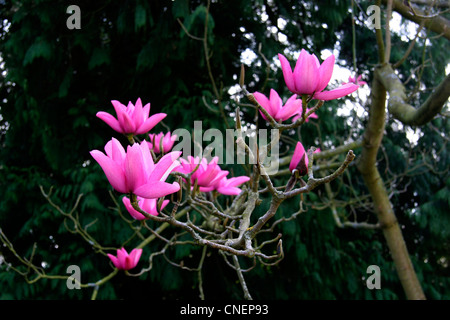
{"x": 184, "y": 57}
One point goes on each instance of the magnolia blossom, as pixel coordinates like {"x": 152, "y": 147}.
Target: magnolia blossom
{"x": 131, "y": 119}
{"x": 209, "y": 176}
{"x": 148, "y": 205}
{"x": 206, "y": 175}
{"x": 299, "y": 160}
{"x": 356, "y": 80}
{"x": 311, "y": 78}
{"x": 125, "y": 261}
{"x": 160, "y": 140}
{"x": 274, "y": 105}
{"x": 134, "y": 171}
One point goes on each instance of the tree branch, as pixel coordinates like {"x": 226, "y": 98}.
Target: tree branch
{"x": 435, "y": 23}
{"x": 403, "y": 111}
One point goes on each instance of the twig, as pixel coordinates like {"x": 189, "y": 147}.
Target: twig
{"x": 247, "y": 295}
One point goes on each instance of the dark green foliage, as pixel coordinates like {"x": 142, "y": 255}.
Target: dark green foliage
{"x": 57, "y": 79}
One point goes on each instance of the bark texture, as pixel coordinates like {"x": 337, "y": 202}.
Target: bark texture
{"x": 383, "y": 208}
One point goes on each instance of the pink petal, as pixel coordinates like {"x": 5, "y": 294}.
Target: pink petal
{"x": 124, "y": 119}
{"x": 133, "y": 212}
{"x": 264, "y": 102}
{"x": 165, "y": 166}
{"x": 146, "y": 110}
{"x": 306, "y": 73}
{"x": 291, "y": 108}
{"x": 127, "y": 263}
{"x": 206, "y": 189}
{"x": 235, "y": 181}
{"x": 147, "y": 159}
{"x": 325, "y": 72}
{"x": 150, "y": 206}
{"x": 135, "y": 167}
{"x": 297, "y": 156}
{"x": 206, "y": 177}
{"x": 120, "y": 109}
{"x": 168, "y": 142}
{"x": 156, "y": 189}
{"x": 287, "y": 73}
{"x": 110, "y": 120}
{"x": 114, "y": 260}
{"x": 336, "y": 93}
{"x": 156, "y": 140}
{"x": 122, "y": 254}
{"x": 150, "y": 123}
{"x": 229, "y": 191}
{"x": 164, "y": 204}
{"x": 135, "y": 255}
{"x": 275, "y": 102}
{"x": 138, "y": 114}
{"x": 117, "y": 151}
{"x": 219, "y": 176}
{"x": 128, "y": 124}
{"x": 113, "y": 171}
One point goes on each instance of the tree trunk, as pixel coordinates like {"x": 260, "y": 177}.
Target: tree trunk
{"x": 383, "y": 208}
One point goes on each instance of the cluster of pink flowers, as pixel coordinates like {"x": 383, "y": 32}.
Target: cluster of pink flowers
{"x": 309, "y": 78}
{"x": 134, "y": 171}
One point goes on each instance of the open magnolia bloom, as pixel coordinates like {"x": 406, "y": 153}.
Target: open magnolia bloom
{"x": 274, "y": 105}
{"x": 148, "y": 205}
{"x": 209, "y": 176}
{"x": 131, "y": 119}
{"x": 125, "y": 261}
{"x": 135, "y": 172}
{"x": 311, "y": 78}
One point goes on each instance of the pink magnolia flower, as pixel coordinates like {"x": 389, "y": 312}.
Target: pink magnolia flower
{"x": 160, "y": 140}
{"x": 274, "y": 105}
{"x": 299, "y": 160}
{"x": 125, "y": 261}
{"x": 148, "y": 205}
{"x": 188, "y": 165}
{"x": 131, "y": 119}
{"x": 206, "y": 175}
{"x": 356, "y": 80}
{"x": 135, "y": 171}
{"x": 311, "y": 78}
{"x": 209, "y": 176}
